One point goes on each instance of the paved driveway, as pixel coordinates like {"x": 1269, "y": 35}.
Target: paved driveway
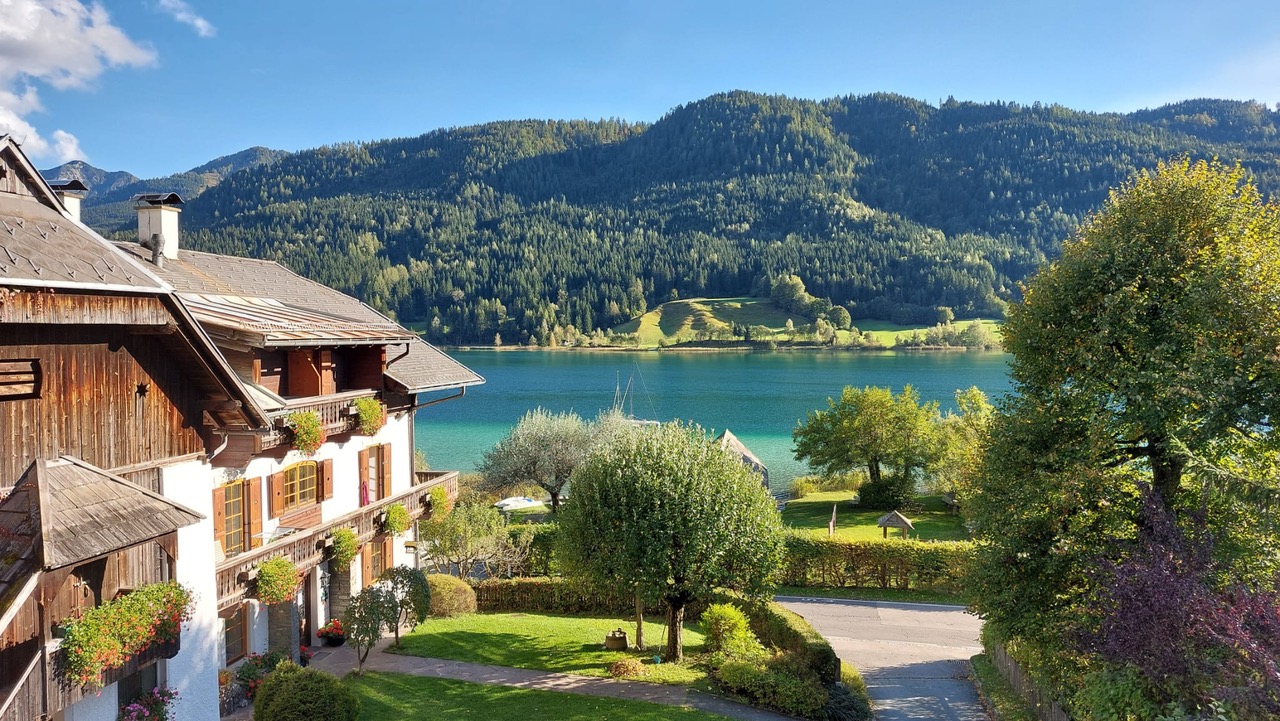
{"x": 914, "y": 657}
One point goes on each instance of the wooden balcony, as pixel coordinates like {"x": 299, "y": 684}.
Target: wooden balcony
{"x": 307, "y": 548}
{"x": 337, "y": 412}
{"x": 63, "y": 693}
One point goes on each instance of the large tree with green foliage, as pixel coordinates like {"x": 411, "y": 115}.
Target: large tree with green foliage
{"x": 1146, "y": 378}
{"x": 667, "y": 510}
{"x": 871, "y": 428}
{"x": 543, "y": 449}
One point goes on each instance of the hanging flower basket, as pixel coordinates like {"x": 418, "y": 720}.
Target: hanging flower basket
{"x": 371, "y": 415}
{"x": 395, "y": 519}
{"x": 308, "y": 431}
{"x": 278, "y": 580}
{"x": 344, "y": 549}
{"x": 108, "y": 635}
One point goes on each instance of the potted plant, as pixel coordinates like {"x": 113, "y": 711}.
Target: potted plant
{"x": 304, "y": 656}
{"x": 371, "y": 415}
{"x": 150, "y": 705}
{"x": 308, "y": 431}
{"x": 332, "y": 633}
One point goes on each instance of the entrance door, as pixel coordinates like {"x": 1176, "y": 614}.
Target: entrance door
{"x": 306, "y": 623}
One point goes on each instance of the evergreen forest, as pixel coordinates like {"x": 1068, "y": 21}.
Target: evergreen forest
{"x": 893, "y": 208}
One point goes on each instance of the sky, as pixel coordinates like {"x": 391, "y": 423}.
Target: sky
{"x": 157, "y": 87}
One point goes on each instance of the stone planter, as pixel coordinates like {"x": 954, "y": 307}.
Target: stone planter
{"x": 334, "y": 640}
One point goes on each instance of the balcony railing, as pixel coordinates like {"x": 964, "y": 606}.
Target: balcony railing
{"x": 307, "y": 548}
{"x": 63, "y": 693}
{"x": 336, "y": 411}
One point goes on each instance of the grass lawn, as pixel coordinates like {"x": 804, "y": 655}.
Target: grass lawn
{"x": 398, "y": 697}
{"x": 566, "y": 644}
{"x": 813, "y": 512}
{"x": 680, "y": 320}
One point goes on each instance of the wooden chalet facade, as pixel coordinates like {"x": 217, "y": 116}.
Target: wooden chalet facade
{"x": 158, "y": 384}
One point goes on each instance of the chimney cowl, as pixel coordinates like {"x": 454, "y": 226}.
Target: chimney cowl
{"x": 158, "y": 223}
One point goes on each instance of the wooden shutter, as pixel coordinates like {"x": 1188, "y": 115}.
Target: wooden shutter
{"x": 362, "y": 473}
{"x": 386, "y": 553}
{"x": 366, "y": 564}
{"x": 325, "y": 470}
{"x": 220, "y": 516}
{"x": 327, "y": 384}
{"x": 275, "y": 498}
{"x": 253, "y": 511}
{"x": 384, "y": 471}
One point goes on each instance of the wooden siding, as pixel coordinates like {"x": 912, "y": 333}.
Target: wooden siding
{"x": 69, "y": 308}
{"x": 108, "y": 398}
{"x": 24, "y": 700}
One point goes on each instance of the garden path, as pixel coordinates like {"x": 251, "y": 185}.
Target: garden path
{"x": 339, "y": 661}
{"x": 913, "y": 656}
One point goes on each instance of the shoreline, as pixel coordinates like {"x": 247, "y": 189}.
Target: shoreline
{"x": 718, "y": 349}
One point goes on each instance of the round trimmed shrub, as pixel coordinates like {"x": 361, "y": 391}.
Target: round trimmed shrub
{"x": 728, "y": 631}
{"x": 450, "y": 596}
{"x": 293, "y": 693}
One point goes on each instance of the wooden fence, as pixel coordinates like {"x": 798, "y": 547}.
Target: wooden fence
{"x": 1038, "y": 699}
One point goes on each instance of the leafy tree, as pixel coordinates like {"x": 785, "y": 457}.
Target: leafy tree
{"x": 413, "y": 597}
{"x": 544, "y": 448}
{"x": 1144, "y": 365}
{"x": 841, "y": 318}
{"x": 871, "y": 428}
{"x": 667, "y": 509}
{"x": 460, "y": 541}
{"x": 963, "y": 439}
{"x": 370, "y": 612}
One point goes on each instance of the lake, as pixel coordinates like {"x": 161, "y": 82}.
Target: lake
{"x": 760, "y": 396}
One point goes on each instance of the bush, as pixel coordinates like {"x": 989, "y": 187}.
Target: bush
{"x": 345, "y": 547}
{"x": 277, "y": 581}
{"x": 293, "y": 693}
{"x": 889, "y": 494}
{"x": 851, "y": 481}
{"x": 838, "y": 563}
{"x": 782, "y": 684}
{"x": 625, "y": 668}
{"x": 568, "y": 596}
{"x": 729, "y": 632}
{"x": 790, "y": 633}
{"x": 450, "y": 596}
{"x": 542, "y": 550}
{"x": 741, "y": 676}
{"x": 801, "y": 487}
{"x": 255, "y": 668}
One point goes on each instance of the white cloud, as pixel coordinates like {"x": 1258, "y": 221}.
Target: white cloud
{"x": 61, "y": 43}
{"x": 183, "y": 13}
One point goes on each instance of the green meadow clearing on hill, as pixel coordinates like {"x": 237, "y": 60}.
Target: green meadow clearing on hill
{"x": 681, "y": 321}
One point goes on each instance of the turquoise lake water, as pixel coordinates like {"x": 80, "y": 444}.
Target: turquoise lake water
{"x": 760, "y": 396}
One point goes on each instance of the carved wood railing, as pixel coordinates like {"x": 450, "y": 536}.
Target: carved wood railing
{"x": 307, "y": 548}
{"x": 336, "y": 411}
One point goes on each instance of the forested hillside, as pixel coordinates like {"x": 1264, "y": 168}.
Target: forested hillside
{"x": 887, "y": 205}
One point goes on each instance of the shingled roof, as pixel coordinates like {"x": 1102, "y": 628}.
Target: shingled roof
{"x": 198, "y": 275}
{"x": 40, "y": 246}
{"x": 731, "y": 442}
{"x": 87, "y": 512}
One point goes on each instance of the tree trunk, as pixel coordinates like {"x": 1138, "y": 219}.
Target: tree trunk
{"x": 1166, "y": 471}
{"x": 873, "y": 470}
{"x": 675, "y": 631}
{"x": 639, "y": 623}
{"x": 555, "y": 501}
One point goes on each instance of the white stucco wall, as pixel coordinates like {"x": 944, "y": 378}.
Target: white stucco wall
{"x": 194, "y": 671}
{"x": 105, "y": 706}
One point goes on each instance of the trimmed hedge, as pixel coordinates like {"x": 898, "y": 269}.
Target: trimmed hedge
{"x": 788, "y": 632}
{"x": 939, "y": 566}
{"x": 561, "y": 595}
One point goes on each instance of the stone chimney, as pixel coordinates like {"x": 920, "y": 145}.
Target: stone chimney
{"x": 70, "y": 192}
{"x": 158, "y": 222}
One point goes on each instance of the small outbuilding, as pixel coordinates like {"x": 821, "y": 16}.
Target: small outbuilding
{"x": 893, "y": 519}
{"x": 730, "y": 442}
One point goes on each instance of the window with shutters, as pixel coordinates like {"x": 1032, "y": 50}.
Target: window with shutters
{"x": 299, "y": 485}
{"x": 375, "y": 473}
{"x": 377, "y": 557}
{"x": 234, "y": 629}
{"x": 234, "y": 537}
